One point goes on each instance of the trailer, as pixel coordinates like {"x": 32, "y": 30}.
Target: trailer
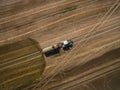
{"x": 51, "y": 50}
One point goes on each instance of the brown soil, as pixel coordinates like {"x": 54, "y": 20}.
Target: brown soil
{"x": 43, "y": 21}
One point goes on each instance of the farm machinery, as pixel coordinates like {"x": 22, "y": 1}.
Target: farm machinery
{"x": 65, "y": 45}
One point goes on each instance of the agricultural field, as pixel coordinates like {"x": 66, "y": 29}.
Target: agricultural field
{"x": 20, "y": 64}
{"x": 93, "y": 25}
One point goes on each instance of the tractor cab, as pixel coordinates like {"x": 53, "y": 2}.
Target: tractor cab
{"x": 67, "y": 44}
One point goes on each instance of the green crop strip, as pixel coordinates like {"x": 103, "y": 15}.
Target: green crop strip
{"x": 67, "y": 9}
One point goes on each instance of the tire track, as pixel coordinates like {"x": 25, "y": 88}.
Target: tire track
{"x": 96, "y": 45}
{"x": 75, "y": 35}
{"x": 110, "y": 11}
{"x": 7, "y": 62}
{"x": 92, "y": 55}
{"x": 38, "y": 20}
{"x": 37, "y": 52}
{"x": 92, "y": 75}
{"x": 10, "y": 38}
{"x": 27, "y": 60}
{"x": 35, "y": 10}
